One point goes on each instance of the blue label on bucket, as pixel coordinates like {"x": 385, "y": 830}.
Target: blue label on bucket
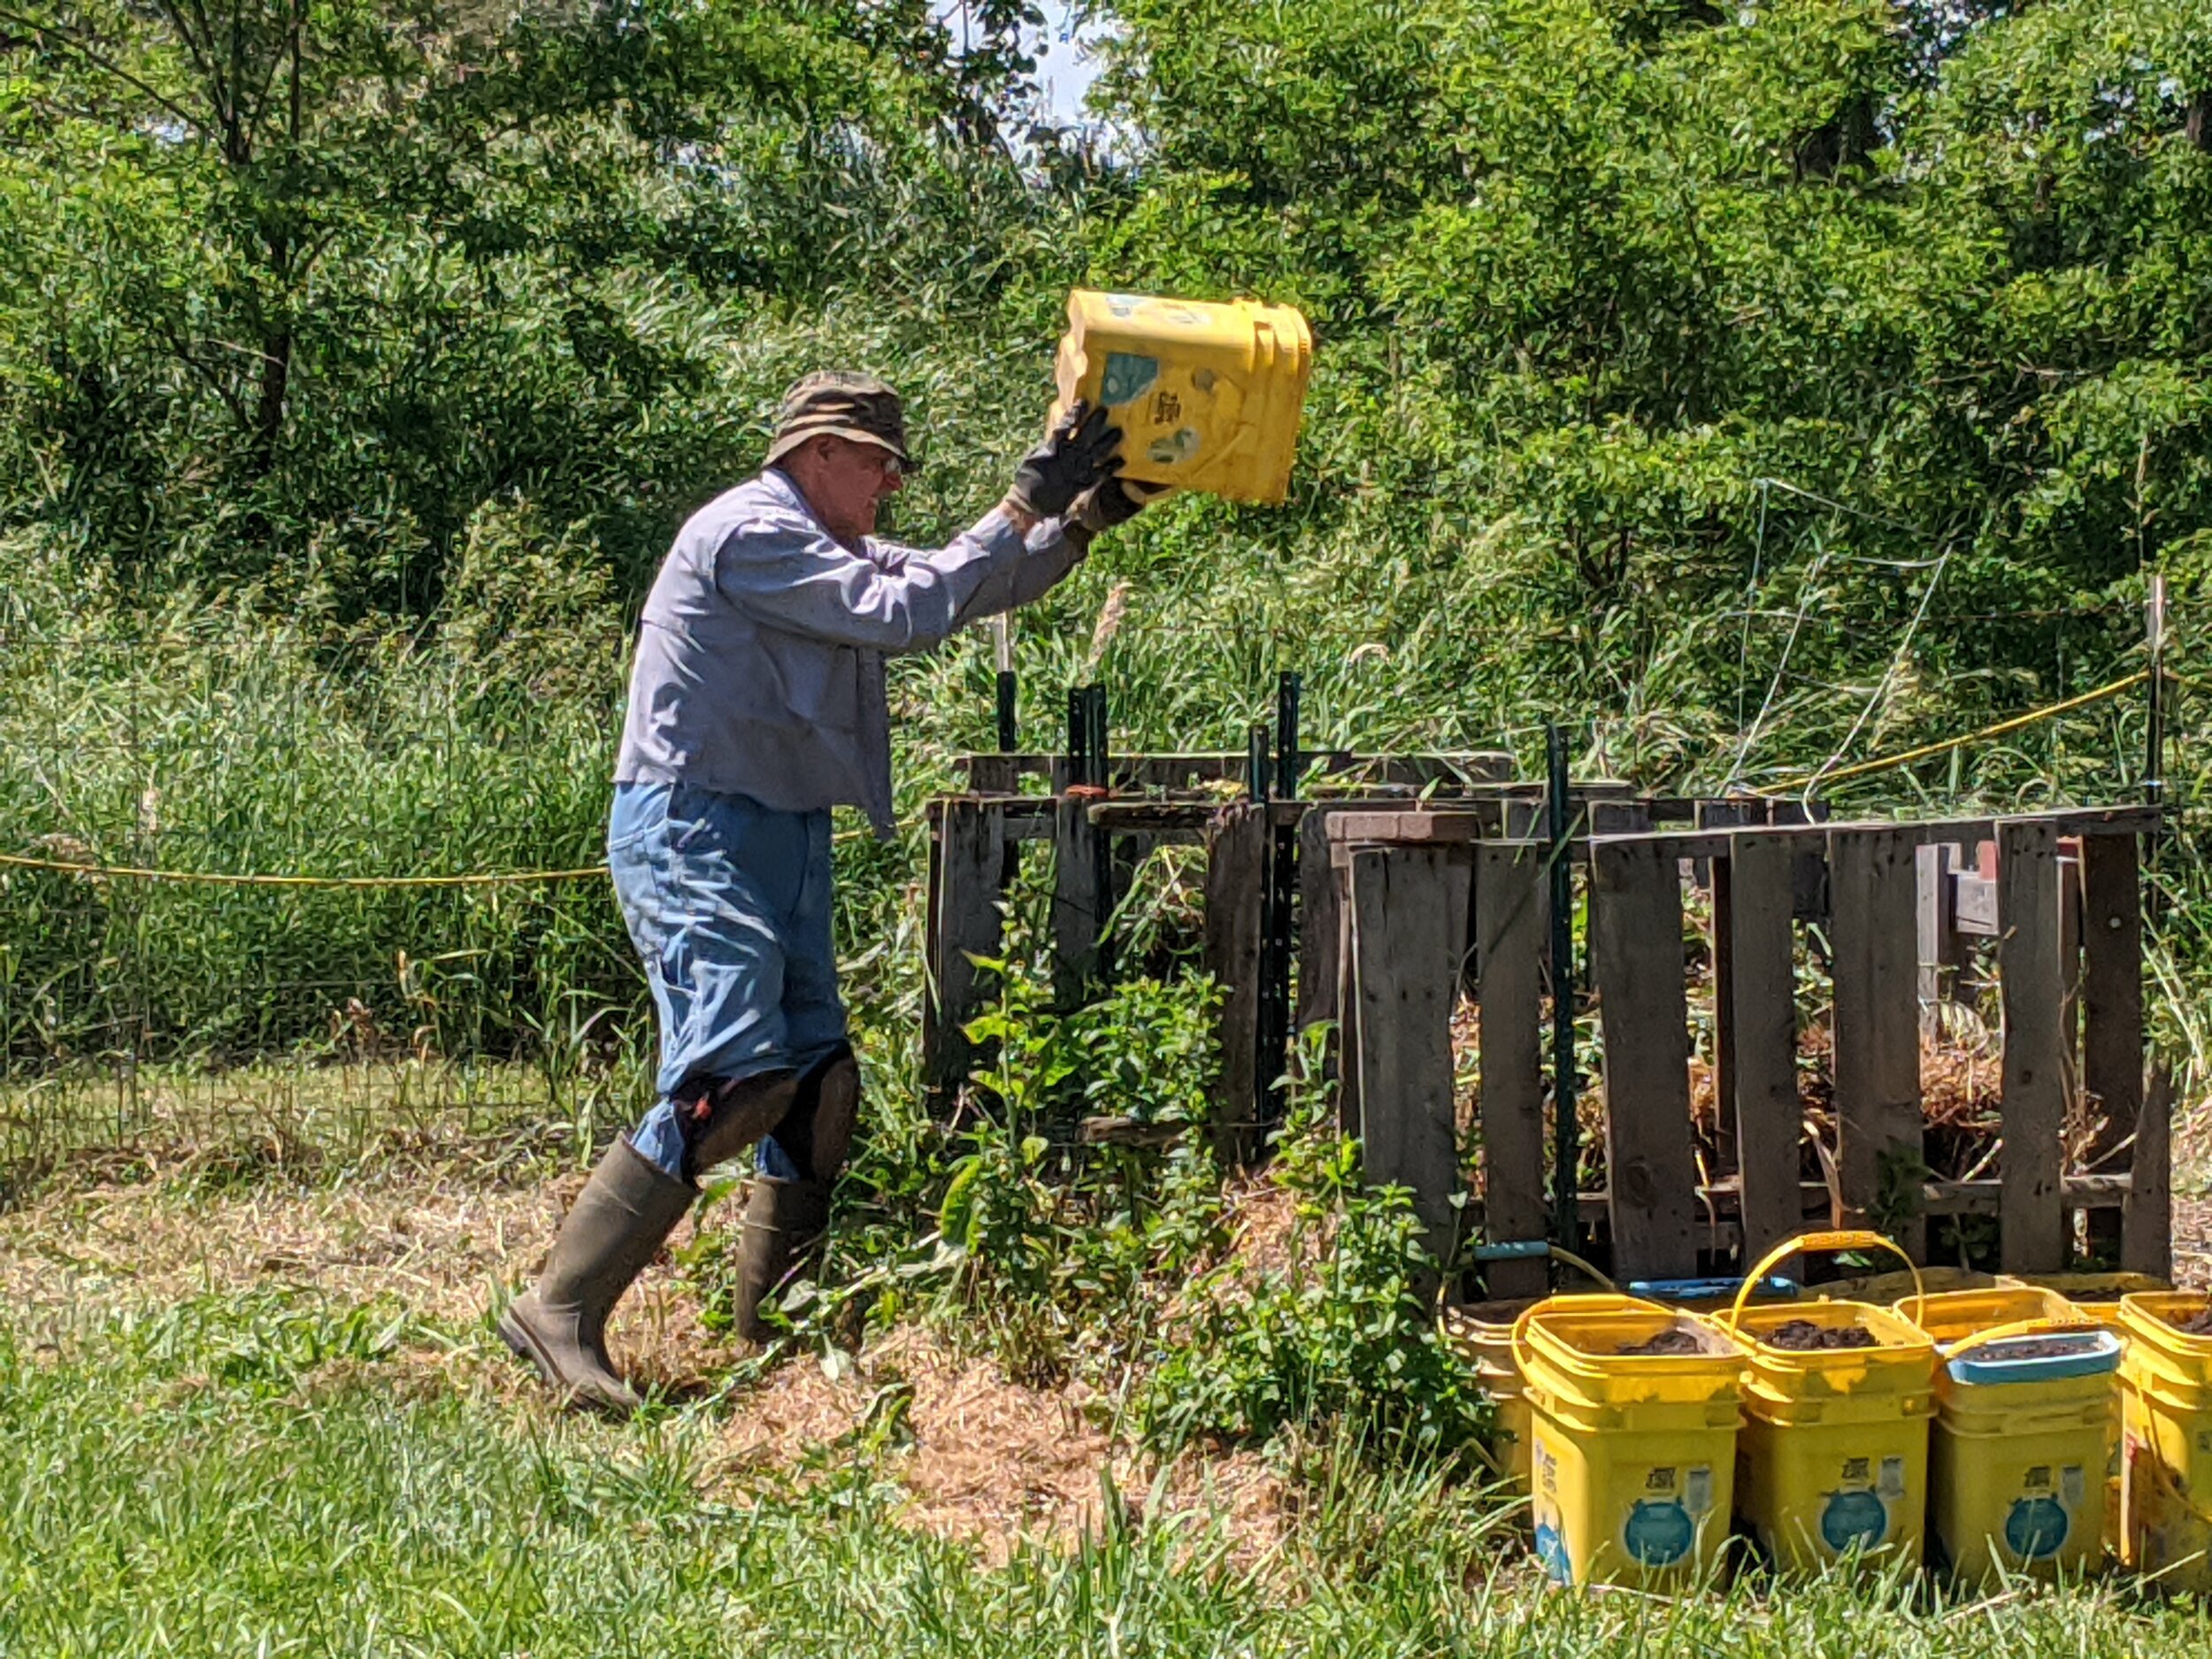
{"x": 2036, "y": 1528}
{"x": 1659, "y": 1532}
{"x": 1127, "y": 374}
{"x": 1551, "y": 1553}
{"x": 1854, "y": 1519}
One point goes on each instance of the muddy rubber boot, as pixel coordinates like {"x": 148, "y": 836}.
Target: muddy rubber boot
{"x": 618, "y": 1223}
{"x": 783, "y": 1219}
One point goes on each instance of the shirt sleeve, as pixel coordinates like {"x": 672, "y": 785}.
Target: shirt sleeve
{"x": 1049, "y": 556}
{"x": 788, "y": 574}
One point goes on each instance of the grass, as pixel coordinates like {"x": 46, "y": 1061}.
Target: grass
{"x": 247, "y": 1473}
{"x": 258, "y": 1409}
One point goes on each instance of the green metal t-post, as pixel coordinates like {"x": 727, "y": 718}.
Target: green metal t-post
{"x": 1566, "y": 1131}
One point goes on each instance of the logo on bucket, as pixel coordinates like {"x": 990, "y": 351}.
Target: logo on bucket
{"x": 1853, "y": 1520}
{"x": 1658, "y": 1531}
{"x": 2036, "y": 1528}
{"x": 1551, "y": 1553}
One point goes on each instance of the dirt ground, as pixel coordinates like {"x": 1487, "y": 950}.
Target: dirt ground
{"x": 983, "y": 1459}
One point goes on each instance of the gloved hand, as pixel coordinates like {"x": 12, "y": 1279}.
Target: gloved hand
{"x": 1079, "y": 451}
{"x": 1111, "y": 500}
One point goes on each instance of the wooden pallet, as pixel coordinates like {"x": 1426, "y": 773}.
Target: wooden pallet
{"x": 1891, "y": 898}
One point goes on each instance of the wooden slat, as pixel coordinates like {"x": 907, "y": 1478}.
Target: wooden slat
{"x": 1619, "y": 817}
{"x": 1465, "y": 768}
{"x": 1236, "y": 862}
{"x": 992, "y": 774}
{"x": 1316, "y": 986}
{"x": 1762, "y": 1020}
{"x": 2130, "y": 820}
{"x": 1941, "y": 952}
{"x": 1348, "y": 1046}
{"x": 1512, "y": 932}
{"x": 966, "y": 860}
{"x": 1411, "y": 826}
{"x": 2031, "y": 1225}
{"x": 2112, "y": 1008}
{"x": 2147, "y": 1222}
{"x": 1871, "y": 881}
{"x": 1722, "y": 1203}
{"x": 1636, "y": 928}
{"x": 1077, "y": 911}
{"x": 1407, "y": 908}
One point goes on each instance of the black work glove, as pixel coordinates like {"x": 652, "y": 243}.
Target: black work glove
{"x": 1081, "y": 449}
{"x": 1113, "y": 500}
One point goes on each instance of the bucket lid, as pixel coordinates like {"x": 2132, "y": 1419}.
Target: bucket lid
{"x": 1772, "y": 1287}
{"x": 2077, "y": 1354}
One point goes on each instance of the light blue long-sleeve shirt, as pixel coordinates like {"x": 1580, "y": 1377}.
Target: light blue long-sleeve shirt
{"x": 759, "y": 665}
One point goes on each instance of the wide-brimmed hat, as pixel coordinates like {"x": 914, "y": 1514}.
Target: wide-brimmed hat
{"x": 839, "y": 404}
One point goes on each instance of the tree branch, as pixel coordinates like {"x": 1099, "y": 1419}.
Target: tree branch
{"x": 70, "y": 39}
{"x": 191, "y": 359}
{"x": 202, "y": 57}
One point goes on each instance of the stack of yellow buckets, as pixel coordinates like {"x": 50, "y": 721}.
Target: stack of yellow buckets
{"x": 1976, "y": 1426}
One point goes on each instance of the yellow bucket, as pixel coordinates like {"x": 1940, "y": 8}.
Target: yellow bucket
{"x": 2097, "y": 1297}
{"x": 1483, "y": 1332}
{"x": 1632, "y": 1455}
{"x": 1883, "y": 1289}
{"x": 2166, "y": 1464}
{"x": 2023, "y": 1436}
{"x": 1208, "y": 397}
{"x": 1952, "y": 1316}
{"x": 1833, "y": 1460}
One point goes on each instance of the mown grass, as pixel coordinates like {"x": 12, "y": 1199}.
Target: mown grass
{"x": 252, "y": 1474}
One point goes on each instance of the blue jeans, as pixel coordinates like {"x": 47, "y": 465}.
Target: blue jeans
{"x": 728, "y": 904}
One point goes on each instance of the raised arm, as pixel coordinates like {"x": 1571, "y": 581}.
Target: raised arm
{"x": 791, "y": 575}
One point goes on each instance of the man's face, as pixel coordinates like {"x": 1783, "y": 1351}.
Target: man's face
{"x": 845, "y": 482}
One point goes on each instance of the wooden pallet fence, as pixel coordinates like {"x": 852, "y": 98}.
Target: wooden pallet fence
{"x": 2067, "y": 962}
{"x": 976, "y": 840}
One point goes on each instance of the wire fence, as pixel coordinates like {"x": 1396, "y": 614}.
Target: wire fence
{"x": 272, "y": 886}
{"x": 290, "y": 896}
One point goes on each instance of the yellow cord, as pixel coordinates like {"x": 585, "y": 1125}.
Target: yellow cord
{"x": 1927, "y": 749}
{"x": 208, "y": 878}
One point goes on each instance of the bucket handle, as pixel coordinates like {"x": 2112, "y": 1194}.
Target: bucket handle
{"x": 1846, "y": 1239}
{"x": 2023, "y": 1327}
{"x": 1527, "y": 1249}
{"x": 1524, "y": 1250}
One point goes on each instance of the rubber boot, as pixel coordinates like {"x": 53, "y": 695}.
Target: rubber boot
{"x": 782, "y": 1220}
{"x": 617, "y": 1225}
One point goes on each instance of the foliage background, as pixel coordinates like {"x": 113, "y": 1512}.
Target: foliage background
{"x": 1742, "y": 387}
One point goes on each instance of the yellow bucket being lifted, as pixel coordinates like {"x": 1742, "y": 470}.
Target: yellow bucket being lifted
{"x": 1832, "y": 1462}
{"x": 2166, "y": 1461}
{"x": 1208, "y": 397}
{"x": 1632, "y": 1454}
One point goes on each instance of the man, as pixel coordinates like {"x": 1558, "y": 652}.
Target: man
{"x": 756, "y": 703}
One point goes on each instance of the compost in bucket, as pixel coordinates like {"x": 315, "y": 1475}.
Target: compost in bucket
{"x": 1803, "y": 1336}
{"x": 2198, "y": 1324}
{"x": 1680, "y": 1339}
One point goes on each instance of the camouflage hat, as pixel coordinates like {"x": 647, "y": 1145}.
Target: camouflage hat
{"x": 840, "y": 404}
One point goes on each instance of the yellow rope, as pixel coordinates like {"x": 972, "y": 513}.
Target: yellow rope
{"x": 1925, "y": 750}
{"x": 517, "y": 877}
{"x": 208, "y": 878}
